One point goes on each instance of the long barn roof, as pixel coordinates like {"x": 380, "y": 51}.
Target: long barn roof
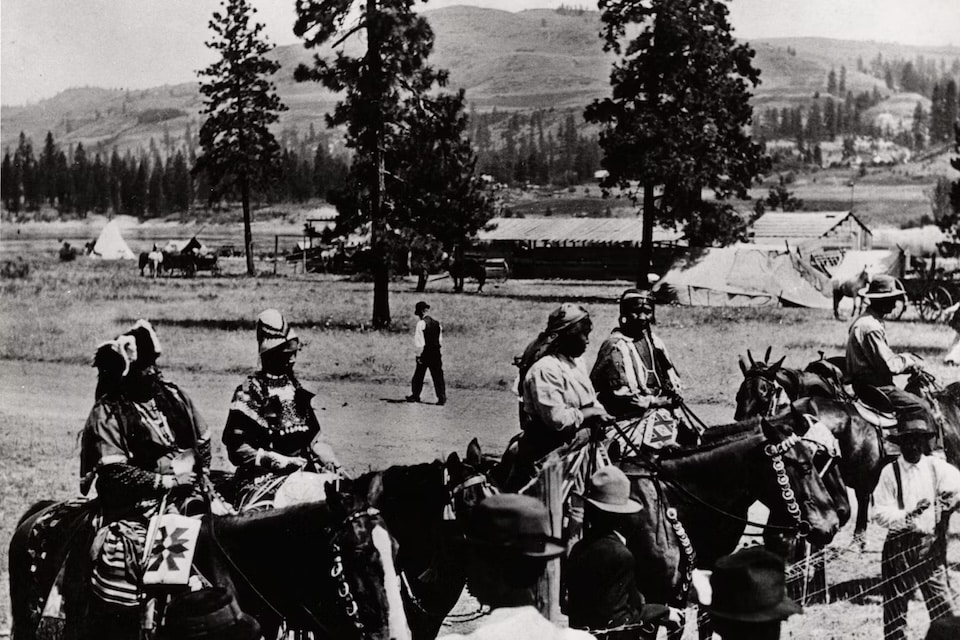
{"x": 806, "y": 224}
{"x": 574, "y": 230}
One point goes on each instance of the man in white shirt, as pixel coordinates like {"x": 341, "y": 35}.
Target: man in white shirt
{"x": 912, "y": 500}
{"x": 427, "y": 337}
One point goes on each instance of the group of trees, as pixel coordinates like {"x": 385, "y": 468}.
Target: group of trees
{"x": 919, "y": 75}
{"x": 825, "y": 119}
{"x": 146, "y": 184}
{"x": 517, "y": 148}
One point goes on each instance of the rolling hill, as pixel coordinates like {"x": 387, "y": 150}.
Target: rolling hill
{"x": 533, "y": 59}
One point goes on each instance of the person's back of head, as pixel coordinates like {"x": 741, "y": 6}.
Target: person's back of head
{"x": 947, "y": 628}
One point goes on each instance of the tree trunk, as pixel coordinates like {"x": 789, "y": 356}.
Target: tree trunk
{"x": 645, "y": 258}
{"x": 381, "y": 269}
{"x": 247, "y": 234}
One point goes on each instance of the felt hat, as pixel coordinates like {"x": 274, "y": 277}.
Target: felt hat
{"x": 421, "y": 306}
{"x": 883, "y": 286}
{"x": 513, "y": 524}
{"x": 208, "y": 614}
{"x": 749, "y": 586}
{"x": 609, "y": 490}
{"x": 273, "y": 331}
{"x": 147, "y": 343}
{"x": 947, "y": 628}
{"x": 912, "y": 427}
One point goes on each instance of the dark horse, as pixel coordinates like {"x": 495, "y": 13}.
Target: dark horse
{"x": 771, "y": 388}
{"x": 708, "y": 489}
{"x": 326, "y": 567}
{"x": 465, "y": 268}
{"x": 425, "y": 505}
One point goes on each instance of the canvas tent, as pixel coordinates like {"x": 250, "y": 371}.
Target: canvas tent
{"x": 745, "y": 275}
{"x": 110, "y": 245}
{"x": 876, "y": 262}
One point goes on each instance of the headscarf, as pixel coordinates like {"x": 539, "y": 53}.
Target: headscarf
{"x": 114, "y": 358}
{"x": 561, "y": 321}
{"x": 273, "y": 331}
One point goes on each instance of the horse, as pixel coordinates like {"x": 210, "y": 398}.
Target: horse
{"x": 151, "y": 260}
{"x": 769, "y": 389}
{"x": 465, "y": 268}
{"x": 327, "y": 568}
{"x": 685, "y": 499}
{"x": 849, "y": 288}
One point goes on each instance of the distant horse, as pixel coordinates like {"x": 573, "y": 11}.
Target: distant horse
{"x": 151, "y": 260}
{"x": 323, "y": 567}
{"x": 465, "y": 268}
{"x": 849, "y": 288}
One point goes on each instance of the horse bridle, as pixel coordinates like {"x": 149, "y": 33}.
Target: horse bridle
{"x": 478, "y": 479}
{"x": 776, "y": 452}
{"x": 344, "y": 594}
{"x": 775, "y": 398}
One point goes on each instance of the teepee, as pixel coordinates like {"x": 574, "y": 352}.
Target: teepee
{"x": 110, "y": 244}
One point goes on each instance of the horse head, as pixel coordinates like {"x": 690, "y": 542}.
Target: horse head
{"x": 794, "y": 491}
{"x": 469, "y": 482}
{"x": 364, "y": 578}
{"x": 760, "y": 393}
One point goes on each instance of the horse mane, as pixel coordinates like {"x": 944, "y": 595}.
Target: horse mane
{"x": 298, "y": 517}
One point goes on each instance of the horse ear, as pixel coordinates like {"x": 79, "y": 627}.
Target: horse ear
{"x": 776, "y": 365}
{"x": 474, "y": 456}
{"x": 454, "y": 467}
{"x": 766, "y": 356}
{"x": 750, "y": 356}
{"x": 743, "y": 366}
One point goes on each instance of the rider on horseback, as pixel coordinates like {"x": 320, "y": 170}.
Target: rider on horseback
{"x": 272, "y": 428}
{"x": 871, "y": 361}
{"x": 633, "y": 373}
{"x": 143, "y": 440}
{"x": 557, "y": 400}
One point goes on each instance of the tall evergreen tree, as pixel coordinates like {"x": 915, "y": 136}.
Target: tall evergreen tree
{"x": 918, "y": 128}
{"x": 80, "y": 172}
{"x": 6, "y": 181}
{"x": 676, "y": 120}
{"x": 842, "y": 83}
{"x": 101, "y": 185}
{"x": 398, "y": 42}
{"x": 48, "y": 169}
{"x": 240, "y": 104}
{"x": 832, "y": 82}
{"x": 156, "y": 198}
{"x": 116, "y": 171}
{"x": 141, "y": 188}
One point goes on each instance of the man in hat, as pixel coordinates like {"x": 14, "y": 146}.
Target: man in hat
{"x": 272, "y": 428}
{"x": 748, "y": 597}
{"x": 143, "y": 441}
{"x": 913, "y": 499}
{"x": 602, "y": 590}
{"x": 428, "y": 336}
{"x": 633, "y": 373}
{"x": 509, "y": 546}
{"x": 871, "y": 361}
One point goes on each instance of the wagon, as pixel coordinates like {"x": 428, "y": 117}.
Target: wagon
{"x": 932, "y": 287}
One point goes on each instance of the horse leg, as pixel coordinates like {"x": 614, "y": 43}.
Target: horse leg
{"x": 837, "y": 296}
{"x": 863, "y": 512}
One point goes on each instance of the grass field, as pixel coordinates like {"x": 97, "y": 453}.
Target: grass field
{"x": 51, "y": 321}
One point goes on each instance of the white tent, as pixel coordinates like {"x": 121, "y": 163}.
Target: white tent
{"x": 746, "y": 275}
{"x": 110, "y": 244}
{"x": 876, "y": 262}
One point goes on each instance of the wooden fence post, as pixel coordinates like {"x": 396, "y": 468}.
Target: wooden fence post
{"x": 276, "y": 250}
{"x": 548, "y": 491}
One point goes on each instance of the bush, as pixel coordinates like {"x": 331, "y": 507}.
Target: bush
{"x": 14, "y": 269}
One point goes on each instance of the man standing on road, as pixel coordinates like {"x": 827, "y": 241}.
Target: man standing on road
{"x": 914, "y": 498}
{"x": 428, "y": 336}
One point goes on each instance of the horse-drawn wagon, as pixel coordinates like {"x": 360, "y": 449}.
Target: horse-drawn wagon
{"x": 933, "y": 284}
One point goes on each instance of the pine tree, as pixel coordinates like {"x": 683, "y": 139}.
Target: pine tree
{"x": 939, "y": 122}
{"x": 100, "y": 191}
{"x": 6, "y": 181}
{"x": 950, "y": 108}
{"x": 116, "y": 171}
{"x": 80, "y": 172}
{"x": 814, "y": 128}
{"x": 156, "y": 198}
{"x": 240, "y": 104}
{"x": 398, "y": 42}
{"x": 832, "y": 82}
{"x": 842, "y": 84}
{"x": 181, "y": 191}
{"x": 48, "y": 169}
{"x": 677, "y": 117}
{"x": 918, "y": 129}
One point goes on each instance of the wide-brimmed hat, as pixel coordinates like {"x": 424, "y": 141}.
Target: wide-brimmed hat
{"x": 208, "y": 614}
{"x": 947, "y": 628}
{"x": 421, "y": 306}
{"x": 881, "y": 287}
{"x": 636, "y": 299}
{"x": 609, "y": 490}
{"x": 273, "y": 332}
{"x": 912, "y": 427}
{"x": 749, "y": 585}
{"x": 513, "y": 524}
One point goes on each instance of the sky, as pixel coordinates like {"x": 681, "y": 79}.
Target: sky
{"x": 47, "y": 46}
